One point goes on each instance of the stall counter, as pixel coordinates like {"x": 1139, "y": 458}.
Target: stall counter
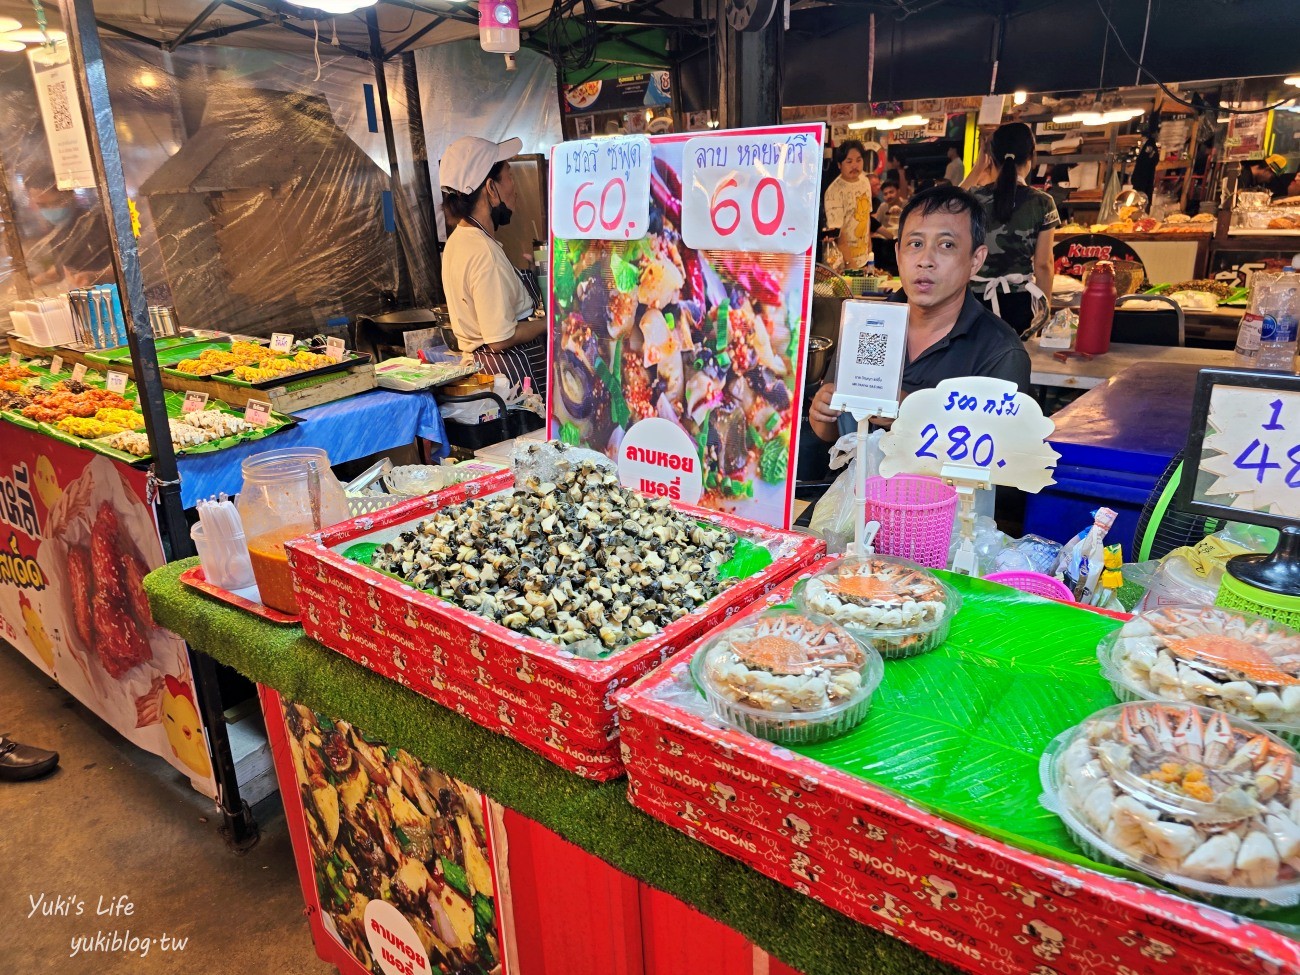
{"x": 595, "y": 817}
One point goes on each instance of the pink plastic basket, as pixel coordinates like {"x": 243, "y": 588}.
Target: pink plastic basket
{"x": 916, "y": 517}
{"x": 1034, "y": 582}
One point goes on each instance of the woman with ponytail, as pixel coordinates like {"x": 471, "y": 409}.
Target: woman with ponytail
{"x": 1017, "y": 275}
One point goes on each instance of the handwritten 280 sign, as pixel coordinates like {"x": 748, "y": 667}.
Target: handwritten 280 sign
{"x": 600, "y": 188}
{"x": 751, "y": 192}
{"x": 973, "y": 422}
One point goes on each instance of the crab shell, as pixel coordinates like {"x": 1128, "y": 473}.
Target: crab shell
{"x": 793, "y": 644}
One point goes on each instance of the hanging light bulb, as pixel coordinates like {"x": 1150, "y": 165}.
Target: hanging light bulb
{"x": 334, "y": 6}
{"x": 8, "y": 24}
{"x": 12, "y": 47}
{"x": 498, "y": 26}
{"x": 1294, "y": 80}
{"x": 1020, "y": 97}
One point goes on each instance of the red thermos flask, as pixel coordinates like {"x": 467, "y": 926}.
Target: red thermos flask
{"x": 1097, "y": 310}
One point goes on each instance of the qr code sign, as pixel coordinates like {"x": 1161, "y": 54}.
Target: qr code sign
{"x": 59, "y": 106}
{"x": 872, "y": 348}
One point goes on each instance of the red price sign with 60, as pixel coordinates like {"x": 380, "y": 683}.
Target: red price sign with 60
{"x": 751, "y": 192}
{"x": 600, "y": 189}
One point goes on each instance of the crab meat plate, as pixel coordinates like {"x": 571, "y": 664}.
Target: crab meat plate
{"x": 788, "y": 676}
{"x": 578, "y": 561}
{"x": 898, "y": 607}
{"x": 1190, "y": 796}
{"x": 1244, "y": 665}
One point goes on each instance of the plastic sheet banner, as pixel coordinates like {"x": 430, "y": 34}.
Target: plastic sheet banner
{"x": 687, "y": 366}
{"x": 56, "y": 89}
{"x": 76, "y": 539}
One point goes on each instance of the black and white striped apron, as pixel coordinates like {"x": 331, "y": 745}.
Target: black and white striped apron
{"x": 527, "y": 359}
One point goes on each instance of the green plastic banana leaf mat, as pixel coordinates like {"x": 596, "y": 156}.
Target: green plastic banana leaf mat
{"x": 960, "y": 730}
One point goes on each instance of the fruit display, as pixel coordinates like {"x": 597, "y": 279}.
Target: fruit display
{"x": 787, "y": 676}
{"x": 579, "y": 561}
{"x": 1191, "y": 796}
{"x": 1244, "y": 665}
{"x": 899, "y": 608}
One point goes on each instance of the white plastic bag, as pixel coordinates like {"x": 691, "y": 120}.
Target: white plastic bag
{"x": 833, "y": 518}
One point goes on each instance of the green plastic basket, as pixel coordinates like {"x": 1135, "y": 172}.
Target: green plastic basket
{"x": 1235, "y": 594}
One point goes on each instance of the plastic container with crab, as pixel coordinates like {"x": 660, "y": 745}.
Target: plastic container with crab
{"x": 789, "y": 677}
{"x": 890, "y": 604}
{"x": 1193, "y": 798}
{"x": 515, "y": 660}
{"x": 1246, "y": 666}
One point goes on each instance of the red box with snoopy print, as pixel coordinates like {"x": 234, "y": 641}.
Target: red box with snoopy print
{"x": 956, "y": 894}
{"x": 533, "y": 691}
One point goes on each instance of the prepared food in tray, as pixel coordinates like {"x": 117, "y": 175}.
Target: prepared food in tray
{"x": 248, "y": 363}
{"x": 1190, "y": 796}
{"x": 191, "y": 430}
{"x": 788, "y": 677}
{"x": 70, "y": 398}
{"x": 1244, "y": 665}
{"x": 212, "y": 361}
{"x": 894, "y": 605}
{"x": 579, "y": 560}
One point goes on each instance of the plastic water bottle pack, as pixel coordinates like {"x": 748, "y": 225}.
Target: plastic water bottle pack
{"x": 1267, "y": 338}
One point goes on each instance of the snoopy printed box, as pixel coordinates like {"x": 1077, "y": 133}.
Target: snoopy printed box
{"x": 527, "y": 689}
{"x": 967, "y": 898}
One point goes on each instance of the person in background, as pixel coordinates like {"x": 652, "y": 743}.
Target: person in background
{"x": 19, "y": 762}
{"x": 487, "y": 301}
{"x": 74, "y": 248}
{"x": 848, "y": 204}
{"x": 949, "y": 333}
{"x": 1270, "y": 174}
{"x": 874, "y": 179}
{"x": 955, "y": 171}
{"x": 1017, "y": 274}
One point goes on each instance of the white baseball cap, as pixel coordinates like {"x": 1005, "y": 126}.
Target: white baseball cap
{"x": 469, "y": 159}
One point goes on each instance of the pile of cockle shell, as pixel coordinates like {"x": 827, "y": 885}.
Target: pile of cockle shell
{"x": 569, "y": 561}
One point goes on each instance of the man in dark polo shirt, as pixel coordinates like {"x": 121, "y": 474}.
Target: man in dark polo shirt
{"x": 949, "y": 333}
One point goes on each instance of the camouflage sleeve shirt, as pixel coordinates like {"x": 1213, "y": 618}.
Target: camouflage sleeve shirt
{"x": 1011, "y": 244}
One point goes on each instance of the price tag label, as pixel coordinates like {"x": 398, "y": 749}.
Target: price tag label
{"x": 78, "y": 372}
{"x": 336, "y": 349}
{"x": 258, "y": 412}
{"x": 56, "y": 365}
{"x": 754, "y": 191}
{"x": 975, "y": 423}
{"x": 281, "y": 341}
{"x": 869, "y": 371}
{"x": 600, "y": 188}
{"x": 116, "y": 382}
{"x": 15, "y": 359}
{"x": 1253, "y": 450}
{"x": 194, "y": 402}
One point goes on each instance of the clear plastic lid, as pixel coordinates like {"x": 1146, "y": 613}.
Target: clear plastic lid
{"x": 1180, "y": 792}
{"x": 879, "y": 593}
{"x": 783, "y": 661}
{"x": 1245, "y": 665}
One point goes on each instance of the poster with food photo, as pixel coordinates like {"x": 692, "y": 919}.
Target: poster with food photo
{"x": 707, "y": 344}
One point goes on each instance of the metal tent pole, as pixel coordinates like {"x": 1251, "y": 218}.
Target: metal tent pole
{"x": 749, "y": 70}
{"x": 423, "y": 179}
{"x": 394, "y": 175}
{"x": 92, "y": 86}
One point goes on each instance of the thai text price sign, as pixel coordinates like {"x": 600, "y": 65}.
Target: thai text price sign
{"x": 1252, "y": 451}
{"x": 600, "y": 189}
{"x": 975, "y": 422}
{"x": 752, "y": 191}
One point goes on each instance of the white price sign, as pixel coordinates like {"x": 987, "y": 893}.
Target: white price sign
{"x": 1252, "y": 451}
{"x": 983, "y": 425}
{"x": 258, "y": 412}
{"x": 600, "y": 189}
{"x": 194, "y": 402}
{"x": 15, "y": 359}
{"x": 752, "y": 191}
{"x": 78, "y": 372}
{"x": 116, "y": 382}
{"x": 869, "y": 371}
{"x": 336, "y": 349}
{"x": 281, "y": 341}
{"x": 56, "y": 365}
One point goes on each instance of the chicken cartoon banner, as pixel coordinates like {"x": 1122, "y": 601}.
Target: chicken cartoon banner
{"x": 76, "y": 539}
{"x": 678, "y": 345}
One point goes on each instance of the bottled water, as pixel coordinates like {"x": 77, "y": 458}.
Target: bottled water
{"x": 1267, "y": 338}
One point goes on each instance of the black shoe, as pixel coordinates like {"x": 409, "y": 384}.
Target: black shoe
{"x": 19, "y": 761}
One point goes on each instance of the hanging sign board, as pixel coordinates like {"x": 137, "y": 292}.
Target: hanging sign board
{"x": 65, "y": 133}
{"x": 869, "y": 371}
{"x": 685, "y": 366}
{"x": 975, "y": 424}
{"x": 600, "y": 188}
{"x": 1244, "y": 448}
{"x": 755, "y": 190}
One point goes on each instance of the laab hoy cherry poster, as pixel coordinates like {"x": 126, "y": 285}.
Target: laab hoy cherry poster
{"x": 679, "y": 306}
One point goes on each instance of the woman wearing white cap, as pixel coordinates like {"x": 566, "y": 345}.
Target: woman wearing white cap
{"x": 486, "y": 297}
